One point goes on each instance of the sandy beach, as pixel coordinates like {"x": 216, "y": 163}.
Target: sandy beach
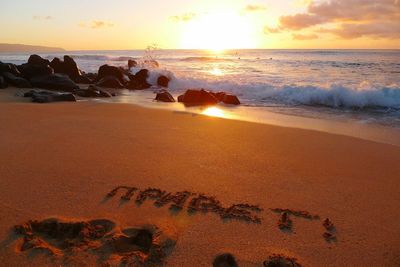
{"x": 60, "y": 160}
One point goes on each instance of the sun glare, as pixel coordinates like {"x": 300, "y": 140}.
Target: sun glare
{"x": 214, "y": 112}
{"x": 218, "y": 31}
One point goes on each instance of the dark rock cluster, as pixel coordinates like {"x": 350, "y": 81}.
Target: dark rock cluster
{"x": 64, "y": 75}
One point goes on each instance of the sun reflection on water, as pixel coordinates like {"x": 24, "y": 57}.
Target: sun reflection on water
{"x": 214, "y": 112}
{"x": 216, "y": 72}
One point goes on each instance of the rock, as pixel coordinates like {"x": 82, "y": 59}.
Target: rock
{"x": 139, "y": 80}
{"x": 231, "y": 99}
{"x": 38, "y": 60}
{"x": 110, "y": 82}
{"x": 57, "y": 65}
{"x": 219, "y": 95}
{"x": 11, "y": 68}
{"x": 55, "y": 82}
{"x": 163, "y": 81}
{"x": 70, "y": 67}
{"x": 47, "y": 97}
{"x": 131, "y": 63}
{"x": 225, "y": 260}
{"x": 3, "y": 83}
{"x": 164, "y": 96}
{"x": 107, "y": 70}
{"x": 93, "y": 91}
{"x": 16, "y": 81}
{"x": 28, "y": 71}
{"x": 142, "y": 75}
{"x": 198, "y": 98}
{"x": 83, "y": 79}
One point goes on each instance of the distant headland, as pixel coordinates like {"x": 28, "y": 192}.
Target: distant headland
{"x": 28, "y": 48}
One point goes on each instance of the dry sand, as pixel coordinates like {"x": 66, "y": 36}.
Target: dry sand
{"x": 60, "y": 160}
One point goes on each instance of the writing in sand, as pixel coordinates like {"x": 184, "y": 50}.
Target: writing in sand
{"x": 199, "y": 202}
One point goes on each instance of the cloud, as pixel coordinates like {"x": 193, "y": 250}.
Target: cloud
{"x": 184, "y": 17}
{"x": 96, "y": 24}
{"x": 300, "y": 21}
{"x": 254, "y": 8}
{"x": 268, "y": 30}
{"x": 348, "y": 19}
{"x": 304, "y": 37}
{"x": 42, "y": 17}
{"x": 389, "y": 30}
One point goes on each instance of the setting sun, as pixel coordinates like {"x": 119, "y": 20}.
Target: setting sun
{"x": 218, "y": 31}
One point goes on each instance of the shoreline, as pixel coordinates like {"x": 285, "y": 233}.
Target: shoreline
{"x": 60, "y": 160}
{"x": 370, "y": 132}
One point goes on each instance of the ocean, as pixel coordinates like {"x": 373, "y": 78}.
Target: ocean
{"x": 362, "y": 86}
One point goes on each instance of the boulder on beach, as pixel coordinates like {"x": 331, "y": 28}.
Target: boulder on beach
{"x": 164, "y": 96}
{"x": 193, "y": 97}
{"x": 70, "y": 68}
{"x": 9, "y": 67}
{"x": 107, "y": 70}
{"x": 3, "y": 83}
{"x": 16, "y": 81}
{"x": 139, "y": 80}
{"x": 92, "y": 91}
{"x": 28, "y": 71}
{"x": 132, "y": 63}
{"x": 230, "y": 99}
{"x": 83, "y": 79}
{"x": 48, "y": 97}
{"x": 163, "y": 81}
{"x": 58, "y": 82}
{"x": 110, "y": 82}
{"x": 38, "y": 60}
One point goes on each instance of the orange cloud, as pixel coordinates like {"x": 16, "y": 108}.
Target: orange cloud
{"x": 349, "y": 18}
{"x": 304, "y": 37}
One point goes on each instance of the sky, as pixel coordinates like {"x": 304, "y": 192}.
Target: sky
{"x": 202, "y": 24}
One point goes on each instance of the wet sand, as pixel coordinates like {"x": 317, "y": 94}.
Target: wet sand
{"x": 61, "y": 160}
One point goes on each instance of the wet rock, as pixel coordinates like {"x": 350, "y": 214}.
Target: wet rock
{"x": 71, "y": 68}
{"x": 57, "y": 65}
{"x": 198, "y": 98}
{"x": 230, "y": 99}
{"x": 106, "y": 70}
{"x": 93, "y": 91}
{"x": 132, "y": 63}
{"x": 55, "y": 82}
{"x": 110, "y": 82}
{"x": 164, "y": 96}
{"x": 219, "y": 95}
{"x": 3, "y": 83}
{"x": 163, "y": 81}
{"x": 28, "y": 71}
{"x": 38, "y": 60}
{"x": 68, "y": 67}
{"x": 48, "y": 97}
{"x": 16, "y": 81}
{"x": 225, "y": 260}
{"x": 11, "y": 68}
{"x": 139, "y": 80}
{"x": 142, "y": 75}
{"x": 82, "y": 79}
